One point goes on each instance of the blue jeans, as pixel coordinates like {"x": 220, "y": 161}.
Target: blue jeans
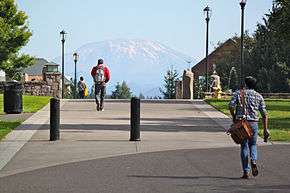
{"x": 249, "y": 148}
{"x": 100, "y": 92}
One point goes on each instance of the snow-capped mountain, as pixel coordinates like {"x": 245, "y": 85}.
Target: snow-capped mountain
{"x": 141, "y": 63}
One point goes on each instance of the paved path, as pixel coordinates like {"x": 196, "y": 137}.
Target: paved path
{"x": 183, "y": 148}
{"x": 179, "y": 171}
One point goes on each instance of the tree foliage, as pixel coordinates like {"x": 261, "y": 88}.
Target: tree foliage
{"x": 169, "y": 91}
{"x": 280, "y": 18}
{"x": 233, "y": 82}
{"x": 15, "y": 64}
{"x": 121, "y": 91}
{"x": 231, "y": 59}
{"x": 266, "y": 53}
{"x": 14, "y": 34}
{"x": 141, "y": 96}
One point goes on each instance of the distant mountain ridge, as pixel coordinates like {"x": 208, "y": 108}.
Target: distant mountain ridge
{"x": 141, "y": 63}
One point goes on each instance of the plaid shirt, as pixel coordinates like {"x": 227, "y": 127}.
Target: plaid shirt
{"x": 254, "y": 102}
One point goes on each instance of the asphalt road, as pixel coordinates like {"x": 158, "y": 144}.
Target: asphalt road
{"x": 179, "y": 171}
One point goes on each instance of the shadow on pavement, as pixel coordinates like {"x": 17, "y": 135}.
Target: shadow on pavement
{"x": 186, "y": 124}
{"x": 79, "y": 128}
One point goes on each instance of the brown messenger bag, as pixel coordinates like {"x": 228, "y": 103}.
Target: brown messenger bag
{"x": 241, "y": 129}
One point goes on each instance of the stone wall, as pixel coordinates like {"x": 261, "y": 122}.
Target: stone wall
{"x": 265, "y": 95}
{"x": 49, "y": 86}
{"x": 276, "y": 95}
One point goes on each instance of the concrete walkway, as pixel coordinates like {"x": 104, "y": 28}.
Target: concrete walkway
{"x": 90, "y": 135}
{"x": 15, "y": 140}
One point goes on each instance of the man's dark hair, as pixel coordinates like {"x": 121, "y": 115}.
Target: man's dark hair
{"x": 81, "y": 78}
{"x": 251, "y": 82}
{"x": 100, "y": 61}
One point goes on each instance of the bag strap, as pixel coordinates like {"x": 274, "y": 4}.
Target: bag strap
{"x": 242, "y": 92}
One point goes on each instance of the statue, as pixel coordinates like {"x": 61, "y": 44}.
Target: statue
{"x": 216, "y": 88}
{"x": 187, "y": 84}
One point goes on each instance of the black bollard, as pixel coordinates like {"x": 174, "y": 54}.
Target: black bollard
{"x": 54, "y": 119}
{"x": 135, "y": 119}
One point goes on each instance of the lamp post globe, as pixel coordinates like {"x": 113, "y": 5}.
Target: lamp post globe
{"x": 207, "y": 12}
{"x": 243, "y": 2}
{"x": 75, "y": 57}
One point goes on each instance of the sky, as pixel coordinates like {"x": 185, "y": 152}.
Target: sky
{"x": 179, "y": 24}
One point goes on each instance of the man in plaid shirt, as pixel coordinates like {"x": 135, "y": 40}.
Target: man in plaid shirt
{"x": 254, "y": 102}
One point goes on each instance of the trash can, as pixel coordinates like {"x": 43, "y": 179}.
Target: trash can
{"x": 13, "y": 97}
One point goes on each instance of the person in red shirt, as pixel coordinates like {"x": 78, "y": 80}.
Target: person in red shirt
{"x": 101, "y": 76}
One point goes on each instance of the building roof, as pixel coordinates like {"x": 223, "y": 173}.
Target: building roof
{"x": 67, "y": 81}
{"x": 36, "y": 69}
{"x": 213, "y": 56}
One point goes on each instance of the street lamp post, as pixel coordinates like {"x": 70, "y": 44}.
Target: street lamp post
{"x": 62, "y": 33}
{"x": 207, "y": 12}
{"x": 189, "y": 62}
{"x": 75, "y": 57}
{"x": 243, "y": 5}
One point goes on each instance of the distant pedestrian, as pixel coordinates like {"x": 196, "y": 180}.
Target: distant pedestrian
{"x": 81, "y": 88}
{"x": 254, "y": 102}
{"x": 101, "y": 76}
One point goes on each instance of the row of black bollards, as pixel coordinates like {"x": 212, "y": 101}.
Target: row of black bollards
{"x": 55, "y": 119}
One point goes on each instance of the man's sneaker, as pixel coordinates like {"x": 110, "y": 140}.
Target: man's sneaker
{"x": 254, "y": 167}
{"x": 245, "y": 175}
{"x": 102, "y": 109}
{"x": 98, "y": 107}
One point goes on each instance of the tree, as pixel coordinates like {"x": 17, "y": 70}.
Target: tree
{"x": 266, "y": 52}
{"x": 92, "y": 92}
{"x": 69, "y": 90}
{"x": 233, "y": 80}
{"x": 141, "y": 96}
{"x": 280, "y": 18}
{"x": 169, "y": 91}
{"x": 266, "y": 58}
{"x": 121, "y": 91}
{"x": 230, "y": 59}
{"x": 14, "y": 34}
{"x": 271, "y": 51}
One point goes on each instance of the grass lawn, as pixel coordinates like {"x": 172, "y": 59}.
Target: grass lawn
{"x": 31, "y": 104}
{"x": 279, "y": 116}
{"x": 6, "y": 127}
